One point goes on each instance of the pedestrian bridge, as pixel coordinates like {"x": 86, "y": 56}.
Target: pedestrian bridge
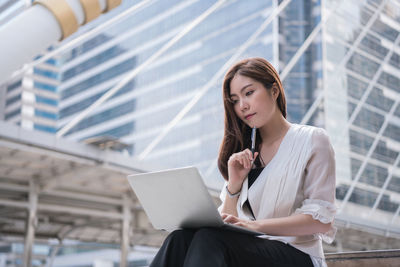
{"x": 55, "y": 189}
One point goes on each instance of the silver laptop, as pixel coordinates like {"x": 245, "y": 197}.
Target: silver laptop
{"x": 178, "y": 198}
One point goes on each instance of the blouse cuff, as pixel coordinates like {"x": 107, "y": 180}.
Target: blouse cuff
{"x": 322, "y": 211}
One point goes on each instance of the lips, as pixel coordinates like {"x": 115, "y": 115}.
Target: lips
{"x": 249, "y": 116}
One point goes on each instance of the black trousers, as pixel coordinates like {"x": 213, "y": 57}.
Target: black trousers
{"x": 212, "y": 247}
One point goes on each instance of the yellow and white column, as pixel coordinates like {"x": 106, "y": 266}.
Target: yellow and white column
{"x": 43, "y": 24}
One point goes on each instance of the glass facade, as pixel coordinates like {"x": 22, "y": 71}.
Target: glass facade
{"x": 353, "y": 62}
{"x": 32, "y": 101}
{"x": 362, "y": 50}
{"x": 303, "y": 82}
{"x": 140, "y": 110}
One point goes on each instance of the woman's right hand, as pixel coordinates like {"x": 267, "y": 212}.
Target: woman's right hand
{"x": 239, "y": 166}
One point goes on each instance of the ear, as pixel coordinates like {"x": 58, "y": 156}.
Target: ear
{"x": 275, "y": 92}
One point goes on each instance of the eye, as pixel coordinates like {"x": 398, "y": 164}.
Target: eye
{"x": 234, "y": 101}
{"x": 249, "y": 92}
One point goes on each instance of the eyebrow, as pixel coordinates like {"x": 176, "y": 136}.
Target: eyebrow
{"x": 241, "y": 90}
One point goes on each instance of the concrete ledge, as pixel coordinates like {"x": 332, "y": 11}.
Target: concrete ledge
{"x": 377, "y": 258}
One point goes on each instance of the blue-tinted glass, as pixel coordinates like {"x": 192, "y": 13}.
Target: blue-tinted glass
{"x": 12, "y": 114}
{"x": 359, "y": 142}
{"x": 84, "y": 103}
{"x": 374, "y": 175}
{"x": 366, "y": 198}
{"x": 14, "y": 86}
{"x": 118, "y": 131}
{"x": 384, "y": 30}
{"x": 45, "y": 100}
{"x": 99, "y": 78}
{"x": 44, "y": 128}
{"x": 105, "y": 116}
{"x": 384, "y": 153}
{"x": 377, "y": 99}
{"x": 394, "y": 184}
{"x": 359, "y": 196}
{"x": 45, "y": 114}
{"x": 393, "y": 132}
{"x": 369, "y": 120}
{"x": 92, "y": 62}
{"x": 86, "y": 46}
{"x": 389, "y": 81}
{"x": 355, "y": 87}
{"x": 397, "y": 111}
{"x": 52, "y": 61}
{"x": 372, "y": 45}
{"x": 350, "y": 108}
{"x": 46, "y": 73}
{"x": 362, "y": 65}
{"x": 395, "y": 60}
{"x": 13, "y": 99}
{"x": 45, "y": 86}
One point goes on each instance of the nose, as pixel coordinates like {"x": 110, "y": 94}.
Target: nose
{"x": 243, "y": 105}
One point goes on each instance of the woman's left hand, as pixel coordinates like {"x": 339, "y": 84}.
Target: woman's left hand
{"x": 252, "y": 225}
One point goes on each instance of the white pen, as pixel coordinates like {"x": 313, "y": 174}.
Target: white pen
{"x": 253, "y": 142}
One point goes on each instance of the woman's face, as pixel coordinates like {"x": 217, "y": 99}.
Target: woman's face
{"x": 252, "y": 102}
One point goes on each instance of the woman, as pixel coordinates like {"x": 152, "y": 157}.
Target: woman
{"x": 285, "y": 190}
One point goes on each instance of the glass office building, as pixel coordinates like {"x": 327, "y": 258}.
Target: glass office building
{"x": 362, "y": 92}
{"x": 139, "y": 112}
{"x": 32, "y": 101}
{"x": 339, "y": 62}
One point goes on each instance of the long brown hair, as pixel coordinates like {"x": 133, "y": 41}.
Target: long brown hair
{"x": 236, "y": 133}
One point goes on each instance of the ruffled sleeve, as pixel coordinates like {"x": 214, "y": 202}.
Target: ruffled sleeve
{"x": 320, "y": 183}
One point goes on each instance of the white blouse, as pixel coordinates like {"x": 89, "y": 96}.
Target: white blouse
{"x": 300, "y": 178}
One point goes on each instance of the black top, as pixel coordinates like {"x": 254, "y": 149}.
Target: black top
{"x": 252, "y": 176}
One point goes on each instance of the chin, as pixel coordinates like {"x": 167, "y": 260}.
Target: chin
{"x": 251, "y": 125}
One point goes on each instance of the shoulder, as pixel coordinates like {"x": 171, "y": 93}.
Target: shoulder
{"x": 320, "y": 137}
{"x": 310, "y": 130}
{"x": 317, "y": 136}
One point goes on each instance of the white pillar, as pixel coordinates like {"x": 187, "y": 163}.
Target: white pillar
{"x": 30, "y": 223}
{"x": 125, "y": 232}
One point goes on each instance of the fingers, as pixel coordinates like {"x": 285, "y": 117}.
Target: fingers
{"x": 240, "y": 224}
{"x": 230, "y": 218}
{"x": 234, "y": 220}
{"x": 244, "y": 158}
{"x": 245, "y": 161}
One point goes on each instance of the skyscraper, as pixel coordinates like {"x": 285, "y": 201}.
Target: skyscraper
{"x": 361, "y": 66}
{"x": 32, "y": 100}
{"x": 171, "y": 81}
